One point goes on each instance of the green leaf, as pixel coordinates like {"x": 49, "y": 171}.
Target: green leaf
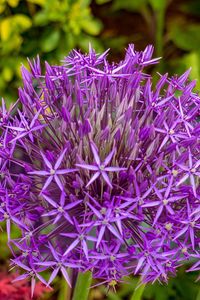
{"x": 13, "y": 3}
{"x": 186, "y": 37}
{"x": 133, "y": 5}
{"x": 198, "y": 295}
{"x": 38, "y": 2}
{"x": 193, "y": 60}
{"x": 22, "y": 22}
{"x": 7, "y": 74}
{"x": 102, "y": 1}
{"x": 158, "y": 5}
{"x": 63, "y": 290}
{"x": 90, "y": 26}
{"x": 50, "y": 41}
{"x": 41, "y": 18}
{"x": 193, "y": 7}
{"x": 138, "y": 292}
{"x": 82, "y": 287}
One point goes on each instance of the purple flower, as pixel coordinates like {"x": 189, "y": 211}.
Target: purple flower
{"x": 53, "y": 172}
{"x": 100, "y": 169}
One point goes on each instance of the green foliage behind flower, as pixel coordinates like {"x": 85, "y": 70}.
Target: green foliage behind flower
{"x": 48, "y": 27}
{"x": 52, "y": 28}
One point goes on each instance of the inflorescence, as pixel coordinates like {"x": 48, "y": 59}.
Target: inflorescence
{"x": 100, "y": 169}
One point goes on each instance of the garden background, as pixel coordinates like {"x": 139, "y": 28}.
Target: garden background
{"x": 51, "y": 28}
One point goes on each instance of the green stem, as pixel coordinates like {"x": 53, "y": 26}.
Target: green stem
{"x": 198, "y": 296}
{"x": 64, "y": 292}
{"x": 138, "y": 292}
{"x": 82, "y": 287}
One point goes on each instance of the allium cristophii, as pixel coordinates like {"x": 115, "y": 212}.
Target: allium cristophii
{"x": 100, "y": 169}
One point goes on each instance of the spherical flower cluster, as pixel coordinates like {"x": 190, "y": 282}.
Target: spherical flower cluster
{"x": 100, "y": 169}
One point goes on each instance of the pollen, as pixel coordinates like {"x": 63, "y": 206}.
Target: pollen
{"x": 168, "y": 226}
{"x": 184, "y": 250}
{"x": 112, "y": 258}
{"x": 112, "y": 283}
{"x": 52, "y": 172}
{"x": 171, "y": 131}
{"x": 165, "y": 202}
{"x": 60, "y": 209}
{"x": 174, "y": 172}
{"x": 6, "y": 216}
{"x": 103, "y": 211}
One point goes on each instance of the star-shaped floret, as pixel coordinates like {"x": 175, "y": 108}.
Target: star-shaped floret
{"x": 53, "y": 172}
{"x": 101, "y": 167}
{"x": 190, "y": 171}
{"x": 60, "y": 209}
{"x": 25, "y": 128}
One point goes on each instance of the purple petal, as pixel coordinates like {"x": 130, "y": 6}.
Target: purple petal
{"x": 109, "y": 157}
{"x": 46, "y": 161}
{"x": 106, "y": 178}
{"x": 43, "y": 173}
{"x": 60, "y": 159}
{"x": 66, "y": 276}
{"x": 59, "y": 183}
{"x": 88, "y": 167}
{"x": 47, "y": 183}
{"x": 53, "y": 275}
{"x": 49, "y": 200}
{"x": 114, "y": 169}
{"x": 100, "y": 235}
{"x": 96, "y": 156}
{"x": 71, "y": 247}
{"x": 159, "y": 212}
{"x": 65, "y": 171}
{"x": 94, "y": 177}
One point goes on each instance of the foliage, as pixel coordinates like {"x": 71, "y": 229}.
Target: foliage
{"x": 53, "y": 27}
{"x": 48, "y": 27}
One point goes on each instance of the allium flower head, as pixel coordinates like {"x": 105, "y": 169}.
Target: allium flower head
{"x": 100, "y": 169}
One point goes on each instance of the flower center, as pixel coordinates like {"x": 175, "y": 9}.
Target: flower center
{"x": 81, "y": 237}
{"x": 171, "y": 131}
{"x": 59, "y": 264}
{"x": 165, "y": 202}
{"x": 174, "y": 172}
{"x": 168, "y": 226}
{"x": 193, "y": 170}
{"x": 103, "y": 211}
{"x": 52, "y": 171}
{"x": 112, "y": 283}
{"x": 117, "y": 210}
{"x": 101, "y": 167}
{"x": 6, "y": 216}
{"x": 184, "y": 250}
{"x": 112, "y": 257}
{"x": 31, "y": 274}
{"x": 141, "y": 201}
{"x": 105, "y": 222}
{"x": 60, "y": 209}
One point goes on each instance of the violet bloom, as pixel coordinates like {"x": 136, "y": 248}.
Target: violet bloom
{"x": 100, "y": 171}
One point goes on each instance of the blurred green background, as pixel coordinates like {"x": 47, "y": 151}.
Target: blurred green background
{"x": 51, "y": 28}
